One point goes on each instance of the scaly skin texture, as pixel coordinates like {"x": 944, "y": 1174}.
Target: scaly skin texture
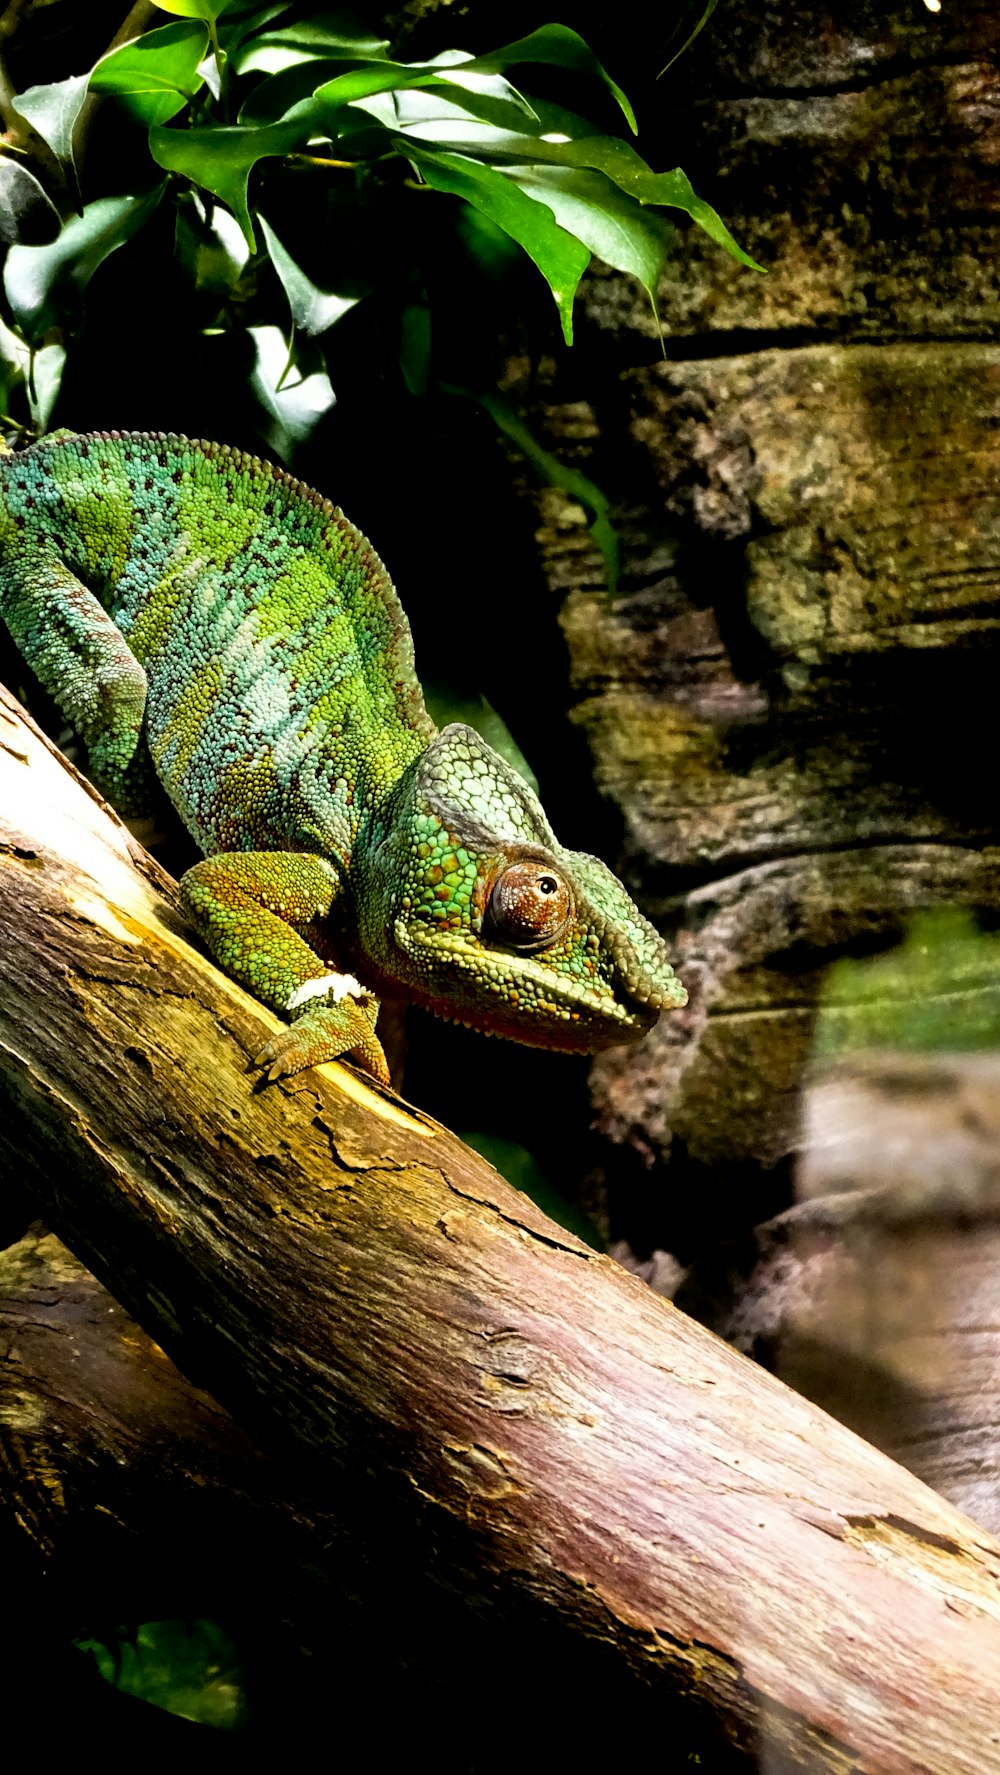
{"x": 203, "y": 618}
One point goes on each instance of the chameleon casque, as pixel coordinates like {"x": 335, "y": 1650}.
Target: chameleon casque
{"x": 201, "y": 614}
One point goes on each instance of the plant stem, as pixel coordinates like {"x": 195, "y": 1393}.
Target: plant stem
{"x": 220, "y": 63}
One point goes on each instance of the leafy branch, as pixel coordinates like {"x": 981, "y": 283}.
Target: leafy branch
{"x": 238, "y": 104}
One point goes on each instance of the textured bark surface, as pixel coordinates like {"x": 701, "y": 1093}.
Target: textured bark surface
{"x": 554, "y": 1440}
{"x": 111, "y": 1459}
{"x": 853, "y": 150}
{"x": 128, "y": 1495}
{"x": 786, "y": 715}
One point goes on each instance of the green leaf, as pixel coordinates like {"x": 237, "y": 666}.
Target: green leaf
{"x": 415, "y": 346}
{"x": 294, "y": 406}
{"x": 556, "y": 474}
{"x": 44, "y": 382}
{"x": 157, "y": 74}
{"x": 560, "y": 257}
{"x": 15, "y": 359}
{"x": 609, "y": 222}
{"x": 313, "y": 310}
{"x": 209, "y": 245}
{"x": 26, "y": 212}
{"x": 381, "y": 106}
{"x": 189, "y": 1668}
{"x": 706, "y": 13}
{"x": 328, "y": 36}
{"x": 220, "y": 158}
{"x": 211, "y": 70}
{"x": 45, "y": 285}
{"x": 13, "y": 351}
{"x": 296, "y": 52}
{"x": 937, "y": 990}
{"x": 205, "y": 9}
{"x": 674, "y": 189}
{"x": 52, "y": 112}
{"x": 241, "y": 21}
{"x": 463, "y": 117}
{"x": 455, "y": 68}
{"x": 560, "y": 47}
{"x": 620, "y": 163}
{"x": 40, "y": 372}
{"x": 479, "y": 126}
{"x": 271, "y": 99}
{"x": 376, "y": 77}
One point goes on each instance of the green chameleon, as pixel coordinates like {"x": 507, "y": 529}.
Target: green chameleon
{"x": 199, "y": 614}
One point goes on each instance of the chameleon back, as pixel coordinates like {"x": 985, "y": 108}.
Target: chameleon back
{"x": 279, "y": 664}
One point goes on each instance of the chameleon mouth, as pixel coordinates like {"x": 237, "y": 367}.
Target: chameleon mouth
{"x": 651, "y": 984}
{"x": 525, "y": 995}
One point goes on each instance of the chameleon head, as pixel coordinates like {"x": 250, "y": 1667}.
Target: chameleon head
{"x": 474, "y": 908}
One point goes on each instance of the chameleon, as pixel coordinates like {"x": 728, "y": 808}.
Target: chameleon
{"x": 208, "y": 623}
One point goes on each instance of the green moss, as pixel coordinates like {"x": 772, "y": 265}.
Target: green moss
{"x": 938, "y": 990}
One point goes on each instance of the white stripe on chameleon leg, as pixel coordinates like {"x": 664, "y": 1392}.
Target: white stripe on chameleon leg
{"x": 331, "y": 986}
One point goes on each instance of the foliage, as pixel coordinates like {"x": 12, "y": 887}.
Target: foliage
{"x": 687, "y": 27}
{"x": 189, "y": 1668}
{"x": 289, "y": 164}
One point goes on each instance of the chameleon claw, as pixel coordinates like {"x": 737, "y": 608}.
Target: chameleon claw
{"x": 307, "y": 1043}
{"x": 277, "y": 1062}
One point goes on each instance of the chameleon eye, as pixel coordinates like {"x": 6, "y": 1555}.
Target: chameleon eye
{"x": 529, "y": 906}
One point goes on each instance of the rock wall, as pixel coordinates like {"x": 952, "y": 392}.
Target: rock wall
{"x": 789, "y": 705}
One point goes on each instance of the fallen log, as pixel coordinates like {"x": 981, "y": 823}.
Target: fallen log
{"x": 129, "y": 1496}
{"x": 552, "y": 1442}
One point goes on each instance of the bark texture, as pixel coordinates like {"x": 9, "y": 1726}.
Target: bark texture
{"x": 110, "y": 1454}
{"x": 555, "y": 1440}
{"x": 129, "y": 1495}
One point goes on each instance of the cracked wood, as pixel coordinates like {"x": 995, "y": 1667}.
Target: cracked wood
{"x": 550, "y": 1437}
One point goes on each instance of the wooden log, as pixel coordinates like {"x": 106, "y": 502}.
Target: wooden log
{"x": 557, "y": 1444}
{"x": 112, "y": 1458}
{"x": 128, "y": 1495}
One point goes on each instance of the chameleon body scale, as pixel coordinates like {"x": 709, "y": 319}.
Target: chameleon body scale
{"x": 201, "y": 616}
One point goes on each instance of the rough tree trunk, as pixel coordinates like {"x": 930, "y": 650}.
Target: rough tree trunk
{"x": 128, "y": 1495}
{"x": 553, "y": 1440}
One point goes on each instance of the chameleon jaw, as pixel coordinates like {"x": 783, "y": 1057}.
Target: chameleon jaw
{"x": 518, "y": 996}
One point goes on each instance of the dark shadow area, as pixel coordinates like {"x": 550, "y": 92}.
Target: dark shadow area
{"x": 314, "y": 1643}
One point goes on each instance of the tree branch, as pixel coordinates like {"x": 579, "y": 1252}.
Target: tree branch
{"x": 549, "y": 1438}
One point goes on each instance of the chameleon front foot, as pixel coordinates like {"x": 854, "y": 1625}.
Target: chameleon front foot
{"x": 328, "y": 1031}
